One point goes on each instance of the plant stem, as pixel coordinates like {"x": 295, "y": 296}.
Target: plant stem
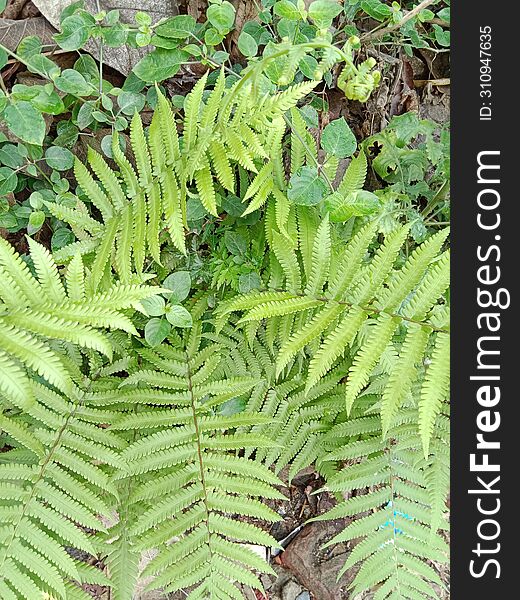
{"x": 376, "y": 34}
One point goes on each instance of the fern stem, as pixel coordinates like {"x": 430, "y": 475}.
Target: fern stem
{"x": 394, "y": 536}
{"x": 199, "y": 452}
{"x": 369, "y": 309}
{"x": 309, "y": 153}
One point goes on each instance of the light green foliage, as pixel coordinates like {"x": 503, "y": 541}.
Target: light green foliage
{"x": 411, "y": 156}
{"x": 185, "y": 472}
{"x": 55, "y": 487}
{"x": 389, "y": 493}
{"x": 233, "y": 128}
{"x": 296, "y": 319}
{"x": 342, "y": 303}
{"x": 35, "y": 310}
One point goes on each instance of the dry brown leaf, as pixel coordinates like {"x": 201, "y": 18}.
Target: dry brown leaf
{"x": 12, "y": 31}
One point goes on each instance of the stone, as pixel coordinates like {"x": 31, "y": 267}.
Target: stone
{"x": 291, "y": 591}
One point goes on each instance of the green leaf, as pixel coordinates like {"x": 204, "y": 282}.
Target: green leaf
{"x": 164, "y": 42}
{"x": 308, "y": 66}
{"x": 248, "y": 282}
{"x": 178, "y": 27}
{"x": 36, "y": 200}
{"x": 88, "y": 67}
{"x": 48, "y": 101}
{"x": 287, "y": 10}
{"x": 445, "y": 14}
{"x": 10, "y": 156}
{"x": 323, "y": 12}
{"x": 178, "y": 316}
{"x": 29, "y": 46}
{"x": 38, "y": 63}
{"x": 247, "y": 44}
{"x": 212, "y": 37}
{"x": 71, "y": 9}
{"x": 84, "y": 117}
{"x": 376, "y": 9}
{"x": 156, "y": 330}
{"x": 73, "y": 82}
{"x": 8, "y": 220}
{"x": 59, "y": 158}
{"x": 8, "y": 181}
{"x": 142, "y": 18}
{"x": 25, "y": 122}
{"x": 306, "y": 187}
{"x": 36, "y": 220}
{"x": 160, "y": 64}
{"x": 358, "y": 203}
{"x": 61, "y": 238}
{"x": 3, "y": 102}
{"x": 75, "y": 31}
{"x": 235, "y": 242}
{"x": 180, "y": 284}
{"x": 337, "y": 139}
{"x": 130, "y": 102}
{"x": 112, "y": 17}
{"x": 154, "y": 306}
{"x": 67, "y": 134}
{"x": 442, "y": 36}
{"x": 425, "y": 15}
{"x": 115, "y": 36}
{"x": 221, "y": 16}
{"x": 142, "y": 39}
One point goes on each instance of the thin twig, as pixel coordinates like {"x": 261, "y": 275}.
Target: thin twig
{"x": 438, "y": 82}
{"x": 374, "y": 35}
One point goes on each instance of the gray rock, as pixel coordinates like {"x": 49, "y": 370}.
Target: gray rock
{"x": 291, "y": 591}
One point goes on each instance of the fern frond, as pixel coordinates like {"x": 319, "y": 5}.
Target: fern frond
{"x": 321, "y": 256}
{"x": 53, "y": 503}
{"x": 435, "y": 388}
{"x": 365, "y": 307}
{"x": 395, "y": 537}
{"x": 46, "y": 313}
{"x": 402, "y": 377}
{"x": 193, "y": 105}
{"x": 193, "y": 448}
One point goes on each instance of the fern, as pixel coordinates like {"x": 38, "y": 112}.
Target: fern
{"x": 187, "y": 476}
{"x": 54, "y": 485}
{"x": 147, "y": 196}
{"x": 287, "y": 414}
{"x": 388, "y": 491}
{"x": 365, "y": 309}
{"x": 114, "y": 448}
{"x": 37, "y": 309}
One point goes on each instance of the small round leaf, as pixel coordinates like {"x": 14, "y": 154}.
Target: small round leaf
{"x": 221, "y": 16}
{"x": 59, "y": 158}
{"x": 156, "y": 330}
{"x": 180, "y": 284}
{"x": 25, "y": 122}
{"x": 337, "y": 139}
{"x": 306, "y": 187}
{"x": 247, "y": 44}
{"x": 154, "y": 306}
{"x": 178, "y": 316}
